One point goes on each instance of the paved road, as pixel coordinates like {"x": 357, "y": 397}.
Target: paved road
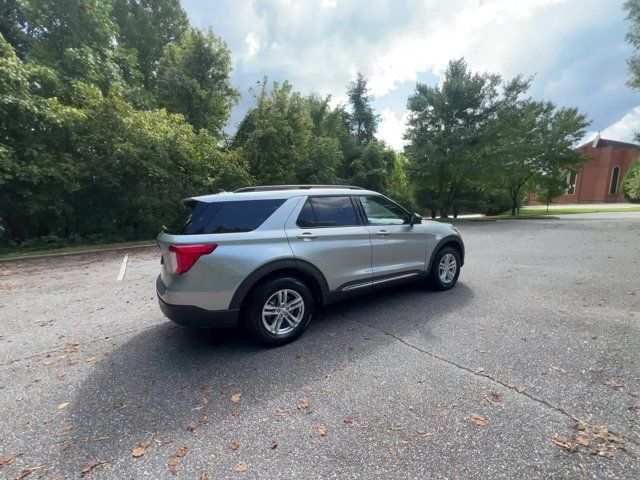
{"x": 542, "y": 329}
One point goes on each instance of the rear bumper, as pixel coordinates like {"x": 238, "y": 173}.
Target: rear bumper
{"x": 196, "y": 317}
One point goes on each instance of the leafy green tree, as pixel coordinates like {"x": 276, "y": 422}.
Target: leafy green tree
{"x": 534, "y": 139}
{"x": 148, "y": 27}
{"x": 633, "y": 38}
{"x": 363, "y": 122}
{"x": 371, "y": 169}
{"x": 447, "y": 133}
{"x": 631, "y": 182}
{"x": 193, "y": 79}
{"x": 275, "y": 135}
{"x": 14, "y": 26}
{"x": 97, "y": 168}
{"x": 549, "y": 187}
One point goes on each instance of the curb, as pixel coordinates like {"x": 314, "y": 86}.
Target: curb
{"x": 70, "y": 254}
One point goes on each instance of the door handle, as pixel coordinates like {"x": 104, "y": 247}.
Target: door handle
{"x": 383, "y": 233}
{"x": 307, "y": 236}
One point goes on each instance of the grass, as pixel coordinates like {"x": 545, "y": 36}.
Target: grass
{"x": 73, "y": 249}
{"x": 537, "y": 211}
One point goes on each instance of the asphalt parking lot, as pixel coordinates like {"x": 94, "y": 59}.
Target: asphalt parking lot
{"x": 529, "y": 368}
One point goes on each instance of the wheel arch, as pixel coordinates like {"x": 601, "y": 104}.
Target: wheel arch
{"x": 448, "y": 241}
{"x": 301, "y": 269}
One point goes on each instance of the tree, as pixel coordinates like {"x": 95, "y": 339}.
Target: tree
{"x": 148, "y": 27}
{"x": 371, "y": 169}
{"x": 550, "y": 186}
{"x": 447, "y": 132}
{"x": 275, "y": 135}
{"x": 633, "y": 38}
{"x": 631, "y": 182}
{"x": 193, "y": 79}
{"x": 363, "y": 122}
{"x": 534, "y": 139}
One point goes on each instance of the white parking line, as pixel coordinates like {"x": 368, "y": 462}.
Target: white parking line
{"x": 123, "y": 268}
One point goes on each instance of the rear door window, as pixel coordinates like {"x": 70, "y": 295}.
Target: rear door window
{"x": 223, "y": 217}
{"x": 327, "y": 212}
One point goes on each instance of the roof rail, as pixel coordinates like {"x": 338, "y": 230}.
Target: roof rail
{"x": 266, "y": 188}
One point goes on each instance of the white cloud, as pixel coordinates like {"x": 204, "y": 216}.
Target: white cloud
{"x": 391, "y": 128}
{"x": 623, "y": 130}
{"x": 569, "y": 45}
{"x": 329, "y": 3}
{"x": 253, "y": 44}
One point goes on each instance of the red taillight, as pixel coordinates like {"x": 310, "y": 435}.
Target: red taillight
{"x": 187, "y": 255}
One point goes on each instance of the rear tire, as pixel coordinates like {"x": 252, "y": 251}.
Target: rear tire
{"x": 279, "y": 311}
{"x": 445, "y": 269}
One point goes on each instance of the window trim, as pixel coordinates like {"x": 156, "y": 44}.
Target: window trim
{"x": 611, "y": 185}
{"x": 353, "y": 205}
{"x": 368, "y": 222}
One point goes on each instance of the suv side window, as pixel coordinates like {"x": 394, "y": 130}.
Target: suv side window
{"x": 327, "y": 212}
{"x": 380, "y": 211}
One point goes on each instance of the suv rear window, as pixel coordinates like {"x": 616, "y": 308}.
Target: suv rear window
{"x": 327, "y": 212}
{"x": 222, "y": 217}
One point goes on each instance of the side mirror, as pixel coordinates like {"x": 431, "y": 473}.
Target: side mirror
{"x": 414, "y": 218}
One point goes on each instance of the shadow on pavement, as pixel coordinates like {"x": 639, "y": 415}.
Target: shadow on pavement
{"x": 155, "y": 382}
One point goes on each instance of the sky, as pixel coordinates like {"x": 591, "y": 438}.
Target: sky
{"x": 574, "y": 49}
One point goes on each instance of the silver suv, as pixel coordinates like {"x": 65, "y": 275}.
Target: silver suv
{"x": 266, "y": 257}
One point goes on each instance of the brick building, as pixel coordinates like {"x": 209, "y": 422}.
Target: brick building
{"x": 600, "y": 178}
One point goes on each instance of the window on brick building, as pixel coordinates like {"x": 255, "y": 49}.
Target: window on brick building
{"x": 571, "y": 183}
{"x": 615, "y": 174}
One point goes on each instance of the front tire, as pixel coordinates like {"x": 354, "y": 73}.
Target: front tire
{"x": 279, "y": 311}
{"x": 445, "y": 269}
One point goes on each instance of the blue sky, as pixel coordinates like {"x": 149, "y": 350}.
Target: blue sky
{"x": 574, "y": 48}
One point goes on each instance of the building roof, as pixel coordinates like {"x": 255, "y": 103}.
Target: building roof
{"x": 600, "y": 142}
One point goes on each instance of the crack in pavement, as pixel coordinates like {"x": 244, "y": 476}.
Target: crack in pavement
{"x": 502, "y": 383}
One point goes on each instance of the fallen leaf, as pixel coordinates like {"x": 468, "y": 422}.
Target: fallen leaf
{"x": 479, "y": 370}
{"x": 194, "y": 426}
{"x": 204, "y": 476}
{"x": 308, "y": 389}
{"x": 28, "y": 471}
{"x": 273, "y": 445}
{"x": 172, "y": 465}
{"x": 321, "y": 431}
{"x": 242, "y": 467}
{"x": 496, "y": 398}
{"x": 90, "y": 465}
{"x": 480, "y": 421}
{"x": 303, "y": 405}
{"x": 234, "y": 445}
{"x": 141, "y": 449}
{"x": 328, "y": 376}
{"x": 582, "y": 440}
{"x": 7, "y": 460}
{"x": 563, "y": 442}
{"x": 516, "y": 388}
{"x": 63, "y": 405}
{"x": 613, "y": 384}
{"x": 583, "y": 471}
{"x": 558, "y": 368}
{"x": 235, "y": 398}
{"x": 350, "y": 420}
